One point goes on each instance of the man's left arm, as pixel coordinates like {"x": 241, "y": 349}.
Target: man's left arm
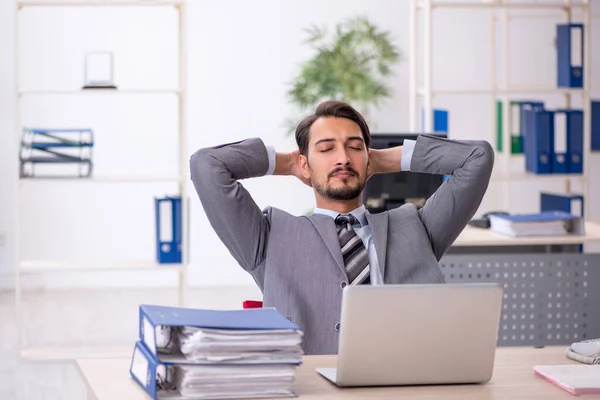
{"x": 469, "y": 164}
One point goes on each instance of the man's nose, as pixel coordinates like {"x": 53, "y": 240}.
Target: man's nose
{"x": 342, "y": 157}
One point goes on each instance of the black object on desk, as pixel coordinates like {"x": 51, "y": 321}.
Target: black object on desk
{"x": 484, "y": 221}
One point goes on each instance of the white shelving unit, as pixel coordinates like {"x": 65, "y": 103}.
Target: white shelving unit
{"x": 50, "y": 266}
{"x": 499, "y": 11}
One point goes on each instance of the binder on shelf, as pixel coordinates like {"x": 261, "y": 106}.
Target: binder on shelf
{"x": 569, "y": 52}
{"x": 574, "y": 119}
{"x": 560, "y": 156}
{"x": 440, "y": 120}
{"x": 539, "y": 141}
{"x": 156, "y": 323}
{"x": 525, "y": 124}
{"x": 168, "y": 230}
{"x": 569, "y": 203}
{"x": 595, "y": 109}
{"x": 515, "y": 123}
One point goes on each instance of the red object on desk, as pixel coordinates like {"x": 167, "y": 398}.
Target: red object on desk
{"x": 253, "y": 304}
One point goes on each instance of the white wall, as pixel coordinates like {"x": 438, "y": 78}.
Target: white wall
{"x": 242, "y": 56}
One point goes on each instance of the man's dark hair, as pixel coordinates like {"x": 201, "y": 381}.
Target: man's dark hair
{"x": 330, "y": 108}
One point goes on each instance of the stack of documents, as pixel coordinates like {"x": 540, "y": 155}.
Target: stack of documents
{"x": 575, "y": 379}
{"x": 552, "y": 223}
{"x": 206, "y": 354}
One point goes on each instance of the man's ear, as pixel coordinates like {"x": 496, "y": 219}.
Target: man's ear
{"x": 303, "y": 160}
{"x": 369, "y": 162}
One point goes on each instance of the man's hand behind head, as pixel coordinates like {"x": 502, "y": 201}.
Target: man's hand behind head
{"x": 288, "y": 164}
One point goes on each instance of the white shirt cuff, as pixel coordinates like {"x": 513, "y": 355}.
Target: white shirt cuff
{"x": 408, "y": 147}
{"x": 271, "y": 154}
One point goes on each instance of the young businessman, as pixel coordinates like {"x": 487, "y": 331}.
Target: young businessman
{"x": 302, "y": 263}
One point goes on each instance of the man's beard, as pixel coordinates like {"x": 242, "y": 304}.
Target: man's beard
{"x": 340, "y": 193}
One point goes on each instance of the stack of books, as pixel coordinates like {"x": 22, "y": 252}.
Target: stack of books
{"x": 212, "y": 354}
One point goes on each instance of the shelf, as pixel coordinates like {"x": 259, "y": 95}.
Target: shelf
{"x": 30, "y": 267}
{"x": 516, "y": 89}
{"x": 97, "y": 3}
{"x": 73, "y": 353}
{"x": 109, "y": 179}
{"x": 510, "y": 5}
{"x": 98, "y": 92}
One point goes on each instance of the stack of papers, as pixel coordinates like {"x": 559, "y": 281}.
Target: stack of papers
{"x": 234, "y": 381}
{"x": 575, "y": 379}
{"x": 553, "y": 223}
{"x": 240, "y": 346}
{"x": 208, "y": 354}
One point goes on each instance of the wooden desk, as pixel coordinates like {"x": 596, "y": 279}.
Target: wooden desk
{"x": 109, "y": 379}
{"x": 484, "y": 237}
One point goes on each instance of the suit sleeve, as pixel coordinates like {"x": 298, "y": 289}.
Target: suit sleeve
{"x": 231, "y": 211}
{"x": 469, "y": 164}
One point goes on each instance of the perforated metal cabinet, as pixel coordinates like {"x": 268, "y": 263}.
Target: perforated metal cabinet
{"x": 549, "y": 299}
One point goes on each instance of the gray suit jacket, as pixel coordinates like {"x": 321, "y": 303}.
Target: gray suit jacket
{"x": 296, "y": 260}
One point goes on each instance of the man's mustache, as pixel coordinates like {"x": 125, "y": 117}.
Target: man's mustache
{"x": 340, "y": 169}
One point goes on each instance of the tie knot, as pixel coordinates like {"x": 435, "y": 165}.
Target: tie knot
{"x": 345, "y": 219}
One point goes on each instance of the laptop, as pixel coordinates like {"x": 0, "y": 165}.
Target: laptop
{"x": 417, "y": 334}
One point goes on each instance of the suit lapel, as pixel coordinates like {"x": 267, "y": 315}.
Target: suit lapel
{"x": 326, "y": 228}
{"x": 379, "y": 227}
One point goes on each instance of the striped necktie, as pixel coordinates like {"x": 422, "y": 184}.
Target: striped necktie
{"x": 356, "y": 258}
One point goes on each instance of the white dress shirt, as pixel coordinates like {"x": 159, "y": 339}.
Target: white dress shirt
{"x": 364, "y": 230}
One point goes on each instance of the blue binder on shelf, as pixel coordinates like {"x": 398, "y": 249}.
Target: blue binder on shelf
{"x": 154, "y": 319}
{"x": 562, "y": 132}
{"x": 569, "y": 52}
{"x": 440, "y": 120}
{"x": 168, "y": 230}
{"x": 595, "y": 109}
{"x": 575, "y": 140}
{"x": 569, "y": 203}
{"x": 525, "y": 123}
{"x": 540, "y": 141}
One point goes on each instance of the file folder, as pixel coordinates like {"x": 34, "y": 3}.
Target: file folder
{"x": 525, "y": 124}
{"x": 569, "y": 203}
{"x": 575, "y": 140}
{"x": 514, "y": 127}
{"x": 174, "y": 381}
{"x": 440, "y": 120}
{"x": 156, "y": 321}
{"x": 168, "y": 230}
{"x": 595, "y": 109}
{"x": 539, "y": 141}
{"x": 560, "y": 156}
{"x": 147, "y": 371}
{"x": 569, "y": 49}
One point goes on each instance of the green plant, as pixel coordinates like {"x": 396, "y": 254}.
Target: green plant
{"x": 350, "y": 65}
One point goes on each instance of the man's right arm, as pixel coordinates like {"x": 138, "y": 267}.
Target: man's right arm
{"x": 231, "y": 211}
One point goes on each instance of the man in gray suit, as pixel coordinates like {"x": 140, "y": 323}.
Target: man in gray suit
{"x": 302, "y": 263}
